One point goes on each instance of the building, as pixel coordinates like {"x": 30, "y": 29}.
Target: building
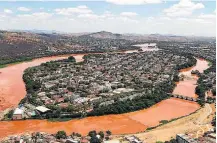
{"x": 133, "y": 139}
{"x": 18, "y": 114}
{"x": 72, "y": 141}
{"x": 182, "y": 138}
{"x": 42, "y": 109}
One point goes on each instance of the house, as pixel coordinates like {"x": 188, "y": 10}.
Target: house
{"x": 42, "y": 109}
{"x": 182, "y": 138}
{"x": 60, "y": 100}
{"x": 81, "y": 100}
{"x": 18, "y": 114}
{"x": 133, "y": 139}
{"x": 72, "y": 141}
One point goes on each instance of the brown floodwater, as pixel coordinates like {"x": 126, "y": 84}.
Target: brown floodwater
{"x": 12, "y": 90}
{"x": 188, "y": 85}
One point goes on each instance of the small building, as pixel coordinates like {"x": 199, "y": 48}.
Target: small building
{"x": 18, "y": 114}
{"x": 72, "y": 141}
{"x": 182, "y": 138}
{"x": 42, "y": 109}
{"x": 133, "y": 139}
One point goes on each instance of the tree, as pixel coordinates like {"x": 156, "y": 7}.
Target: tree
{"x": 101, "y": 134}
{"x": 61, "y": 135}
{"x": 108, "y": 132}
{"x": 214, "y": 92}
{"x": 94, "y": 139}
{"x": 92, "y": 133}
{"x": 71, "y": 59}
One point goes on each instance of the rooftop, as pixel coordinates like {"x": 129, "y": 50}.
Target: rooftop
{"x": 18, "y": 111}
{"x": 42, "y": 109}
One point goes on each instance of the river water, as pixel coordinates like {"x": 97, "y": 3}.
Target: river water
{"x": 12, "y": 90}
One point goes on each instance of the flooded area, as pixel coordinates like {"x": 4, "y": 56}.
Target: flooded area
{"x": 12, "y": 90}
{"x": 188, "y": 85}
{"x": 118, "y": 124}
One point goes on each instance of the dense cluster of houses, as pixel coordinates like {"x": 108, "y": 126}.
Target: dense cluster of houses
{"x": 100, "y": 79}
{"x": 41, "y": 137}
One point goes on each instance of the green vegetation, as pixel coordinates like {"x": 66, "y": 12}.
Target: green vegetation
{"x": 61, "y": 135}
{"x": 9, "y": 114}
{"x": 171, "y": 141}
{"x": 94, "y": 139}
{"x": 59, "y": 119}
{"x": 191, "y": 62}
{"x": 31, "y": 85}
{"x": 71, "y": 59}
{"x": 137, "y": 103}
{"x": 164, "y": 121}
{"x": 3, "y": 66}
{"x": 209, "y": 63}
{"x": 214, "y": 92}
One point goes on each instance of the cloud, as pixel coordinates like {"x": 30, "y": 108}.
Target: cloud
{"x": 84, "y": 19}
{"x": 128, "y": 14}
{"x": 24, "y": 9}
{"x": 8, "y": 11}
{"x": 133, "y": 2}
{"x": 89, "y": 16}
{"x": 207, "y": 16}
{"x": 183, "y": 8}
{"x": 75, "y": 10}
{"x": 35, "y": 16}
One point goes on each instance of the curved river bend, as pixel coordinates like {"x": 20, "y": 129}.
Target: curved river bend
{"x": 12, "y": 90}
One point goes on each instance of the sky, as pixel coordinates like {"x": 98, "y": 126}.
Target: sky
{"x": 183, "y": 17}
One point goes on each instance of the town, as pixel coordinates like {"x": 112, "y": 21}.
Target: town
{"x": 100, "y": 80}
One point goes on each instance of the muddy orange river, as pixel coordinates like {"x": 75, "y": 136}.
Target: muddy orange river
{"x": 12, "y": 90}
{"x": 188, "y": 85}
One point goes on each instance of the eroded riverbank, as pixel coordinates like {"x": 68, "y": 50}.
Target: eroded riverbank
{"x": 12, "y": 90}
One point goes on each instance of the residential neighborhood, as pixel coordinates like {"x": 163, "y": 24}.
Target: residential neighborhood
{"x": 98, "y": 81}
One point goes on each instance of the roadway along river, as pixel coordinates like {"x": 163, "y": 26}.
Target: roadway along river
{"x": 12, "y": 90}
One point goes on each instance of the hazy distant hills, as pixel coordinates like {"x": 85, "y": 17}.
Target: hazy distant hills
{"x": 109, "y": 35}
{"x": 104, "y": 35}
{"x": 145, "y": 37}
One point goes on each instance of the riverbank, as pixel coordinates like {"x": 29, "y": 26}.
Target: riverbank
{"x": 26, "y": 59}
{"x": 189, "y": 124}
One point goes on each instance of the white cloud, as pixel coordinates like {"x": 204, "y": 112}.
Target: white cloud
{"x": 182, "y": 19}
{"x": 8, "y": 11}
{"x": 36, "y": 16}
{"x": 75, "y": 10}
{"x": 165, "y": 18}
{"x": 23, "y": 9}
{"x": 128, "y": 14}
{"x": 183, "y": 8}
{"x": 207, "y": 16}
{"x": 133, "y": 2}
{"x": 85, "y": 20}
{"x": 89, "y": 16}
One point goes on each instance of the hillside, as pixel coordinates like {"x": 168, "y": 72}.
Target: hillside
{"x": 104, "y": 35}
